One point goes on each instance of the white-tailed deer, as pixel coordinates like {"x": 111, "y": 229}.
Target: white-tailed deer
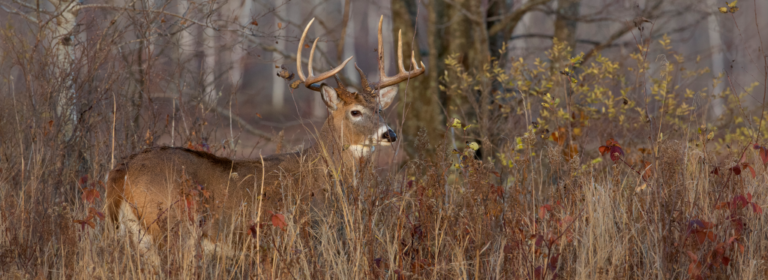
{"x": 158, "y": 189}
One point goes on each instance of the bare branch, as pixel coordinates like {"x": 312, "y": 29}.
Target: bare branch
{"x": 25, "y": 4}
{"x": 12, "y": 10}
{"x": 616, "y": 35}
{"x": 113, "y": 7}
{"x": 510, "y": 20}
{"x": 547, "y": 36}
{"x": 241, "y": 121}
{"x": 463, "y": 11}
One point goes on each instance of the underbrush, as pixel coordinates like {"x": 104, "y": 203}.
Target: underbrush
{"x": 521, "y": 187}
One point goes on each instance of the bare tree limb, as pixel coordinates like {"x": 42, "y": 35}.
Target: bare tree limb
{"x": 240, "y": 121}
{"x": 12, "y": 10}
{"x": 616, "y": 35}
{"x": 113, "y": 7}
{"x": 25, "y": 4}
{"x": 623, "y": 30}
{"x": 464, "y": 11}
{"x": 547, "y": 36}
{"x": 511, "y": 19}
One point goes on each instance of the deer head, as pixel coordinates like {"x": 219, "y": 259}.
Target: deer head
{"x": 355, "y": 117}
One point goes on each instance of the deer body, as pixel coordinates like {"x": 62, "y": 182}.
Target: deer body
{"x": 154, "y": 192}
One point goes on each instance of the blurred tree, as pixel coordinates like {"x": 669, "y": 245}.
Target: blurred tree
{"x": 420, "y": 95}
{"x": 475, "y": 31}
{"x": 566, "y": 22}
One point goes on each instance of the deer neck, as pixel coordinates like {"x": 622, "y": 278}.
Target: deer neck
{"x": 338, "y": 152}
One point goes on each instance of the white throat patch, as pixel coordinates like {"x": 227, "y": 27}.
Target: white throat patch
{"x": 361, "y": 150}
{"x": 366, "y": 149}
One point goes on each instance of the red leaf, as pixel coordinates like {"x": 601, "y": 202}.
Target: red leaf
{"x": 751, "y": 170}
{"x": 278, "y": 220}
{"x": 616, "y": 151}
{"x": 739, "y": 202}
{"x": 715, "y": 171}
{"x": 90, "y": 195}
{"x": 252, "y": 229}
{"x": 538, "y": 273}
{"x": 762, "y": 152}
{"x": 756, "y": 208}
{"x": 553, "y": 263}
{"x": 736, "y": 170}
{"x": 85, "y": 222}
{"x": 94, "y": 212}
{"x": 611, "y": 142}
{"x": 543, "y": 210}
{"x": 692, "y": 256}
{"x": 613, "y": 149}
{"x": 83, "y": 180}
{"x": 701, "y": 236}
{"x": 726, "y": 261}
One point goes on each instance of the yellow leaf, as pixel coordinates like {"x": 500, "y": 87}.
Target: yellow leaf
{"x": 723, "y": 9}
{"x": 456, "y": 123}
{"x": 465, "y": 128}
{"x": 711, "y": 135}
{"x": 640, "y": 188}
{"x": 474, "y": 146}
{"x": 734, "y": 9}
{"x": 732, "y": 4}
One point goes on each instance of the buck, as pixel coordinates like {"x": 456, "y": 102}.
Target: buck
{"x": 160, "y": 188}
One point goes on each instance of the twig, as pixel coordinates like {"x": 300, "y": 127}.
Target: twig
{"x": 113, "y": 7}
{"x": 241, "y": 121}
{"x": 13, "y": 10}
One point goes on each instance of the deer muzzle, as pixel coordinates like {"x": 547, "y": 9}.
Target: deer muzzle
{"x": 389, "y": 135}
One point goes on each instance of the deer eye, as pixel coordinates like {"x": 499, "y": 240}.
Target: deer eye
{"x": 355, "y": 113}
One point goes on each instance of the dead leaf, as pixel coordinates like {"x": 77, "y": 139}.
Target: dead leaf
{"x": 278, "y": 220}
{"x": 89, "y": 195}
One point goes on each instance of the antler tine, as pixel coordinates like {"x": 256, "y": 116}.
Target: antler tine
{"x": 402, "y": 75}
{"x": 312, "y": 79}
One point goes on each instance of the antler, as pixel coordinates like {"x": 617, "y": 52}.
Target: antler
{"x": 311, "y": 80}
{"x": 402, "y": 75}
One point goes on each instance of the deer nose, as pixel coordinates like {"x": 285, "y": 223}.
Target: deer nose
{"x": 390, "y": 135}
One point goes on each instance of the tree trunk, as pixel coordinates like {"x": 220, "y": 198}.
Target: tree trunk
{"x": 278, "y": 84}
{"x": 565, "y": 22}
{"x": 209, "y": 66}
{"x": 420, "y": 96}
{"x": 715, "y": 46}
{"x": 238, "y": 50}
{"x": 64, "y": 49}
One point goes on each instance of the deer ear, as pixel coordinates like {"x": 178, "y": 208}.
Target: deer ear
{"x": 330, "y": 97}
{"x": 387, "y": 95}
